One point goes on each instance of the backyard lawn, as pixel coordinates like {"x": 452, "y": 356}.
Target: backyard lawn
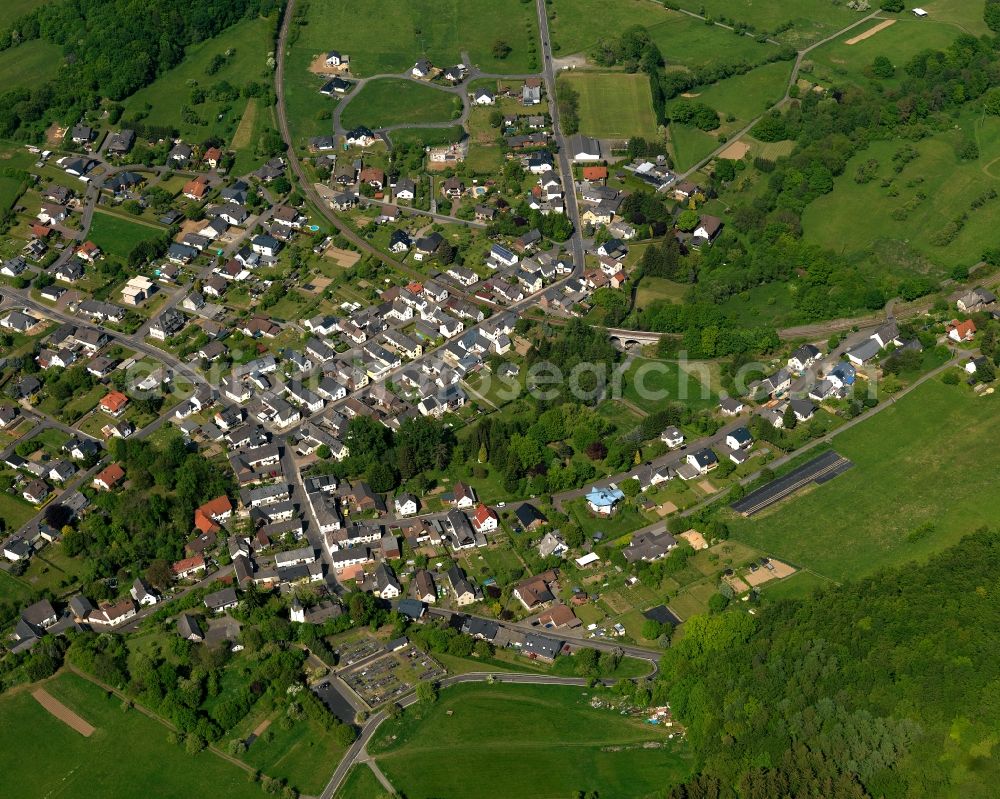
{"x": 117, "y": 235}
{"x": 614, "y": 105}
{"x": 462, "y": 746}
{"x": 383, "y": 103}
{"x": 65, "y": 763}
{"x": 624, "y": 520}
{"x": 930, "y": 459}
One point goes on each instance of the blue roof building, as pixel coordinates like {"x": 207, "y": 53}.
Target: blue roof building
{"x": 604, "y": 500}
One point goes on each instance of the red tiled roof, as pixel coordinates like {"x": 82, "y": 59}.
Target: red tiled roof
{"x": 189, "y": 563}
{"x": 482, "y": 514}
{"x": 111, "y": 475}
{"x": 114, "y": 401}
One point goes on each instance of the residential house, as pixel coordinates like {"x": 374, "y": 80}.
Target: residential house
{"x": 461, "y": 589}
{"x": 961, "y": 331}
{"x": 704, "y": 460}
{"x": 529, "y": 517}
{"x": 604, "y": 500}
{"x": 538, "y": 590}
{"x": 804, "y": 357}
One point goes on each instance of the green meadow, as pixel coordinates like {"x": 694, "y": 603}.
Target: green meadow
{"x": 930, "y": 459}
{"x": 126, "y": 757}
{"x": 494, "y": 741}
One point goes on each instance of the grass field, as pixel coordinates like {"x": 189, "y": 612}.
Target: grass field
{"x": 838, "y": 61}
{"x": 15, "y": 511}
{"x": 13, "y": 590}
{"x": 255, "y": 121}
{"x": 117, "y": 236}
{"x": 299, "y": 755}
{"x": 744, "y": 97}
{"x": 407, "y": 30}
{"x": 690, "y": 145}
{"x": 523, "y": 740}
{"x": 12, "y": 9}
{"x": 683, "y": 40}
{"x": 361, "y": 783}
{"x": 383, "y": 103}
{"x": 54, "y": 570}
{"x": 15, "y": 156}
{"x": 162, "y": 101}
{"x": 947, "y": 184}
{"x": 811, "y": 19}
{"x": 655, "y": 289}
{"x": 29, "y": 63}
{"x": 930, "y": 458}
{"x": 127, "y": 756}
{"x": 428, "y": 136}
{"x": 652, "y": 384}
{"x": 614, "y": 105}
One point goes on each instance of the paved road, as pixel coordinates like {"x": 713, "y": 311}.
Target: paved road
{"x": 565, "y": 168}
{"x": 652, "y": 656}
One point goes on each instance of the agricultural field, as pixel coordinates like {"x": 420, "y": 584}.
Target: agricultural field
{"x": 683, "y": 40}
{"x": 811, "y": 20}
{"x": 463, "y": 746}
{"x": 388, "y": 102}
{"x": 63, "y": 762}
{"x": 919, "y": 201}
{"x": 614, "y": 105}
{"x": 163, "y": 102}
{"x": 911, "y": 468}
{"x": 29, "y": 63}
{"x": 117, "y": 235}
{"x": 690, "y": 145}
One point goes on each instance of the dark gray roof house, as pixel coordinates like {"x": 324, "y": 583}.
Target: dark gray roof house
{"x": 189, "y": 629}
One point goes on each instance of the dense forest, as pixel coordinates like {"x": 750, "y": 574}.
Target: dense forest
{"x": 111, "y": 49}
{"x": 883, "y": 687}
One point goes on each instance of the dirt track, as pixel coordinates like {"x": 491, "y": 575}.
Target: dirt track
{"x": 870, "y": 32}
{"x": 63, "y": 713}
